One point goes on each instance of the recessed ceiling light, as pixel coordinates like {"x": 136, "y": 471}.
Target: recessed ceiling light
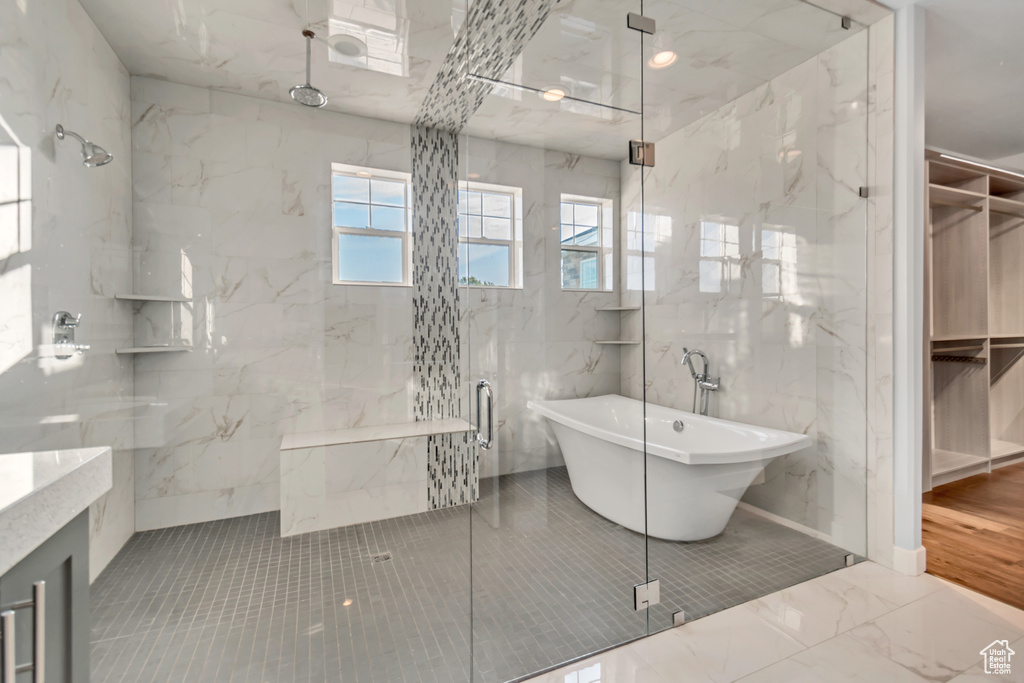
{"x": 662, "y": 59}
{"x": 553, "y": 94}
{"x": 347, "y": 45}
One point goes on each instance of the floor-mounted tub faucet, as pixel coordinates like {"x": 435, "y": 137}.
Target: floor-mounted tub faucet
{"x": 703, "y": 380}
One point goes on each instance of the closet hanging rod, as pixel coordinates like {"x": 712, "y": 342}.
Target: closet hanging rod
{"x": 938, "y": 358}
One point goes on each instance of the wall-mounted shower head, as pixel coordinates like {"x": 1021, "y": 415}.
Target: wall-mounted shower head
{"x": 306, "y": 94}
{"x": 92, "y": 154}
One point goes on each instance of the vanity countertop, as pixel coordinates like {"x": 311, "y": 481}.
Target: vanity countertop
{"x": 41, "y": 492}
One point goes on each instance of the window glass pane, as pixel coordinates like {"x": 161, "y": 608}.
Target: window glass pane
{"x": 463, "y": 201}
{"x": 498, "y": 228}
{"x": 463, "y": 225}
{"x": 473, "y": 224}
{"x": 586, "y": 215}
{"x": 483, "y": 264}
{"x": 474, "y": 203}
{"x": 388, "y": 218}
{"x": 497, "y": 205}
{"x": 351, "y": 215}
{"x": 579, "y": 269}
{"x": 567, "y": 233}
{"x": 770, "y": 244}
{"x": 369, "y": 258}
{"x": 347, "y": 188}
{"x": 388, "y": 192}
{"x": 587, "y": 237}
{"x": 566, "y": 212}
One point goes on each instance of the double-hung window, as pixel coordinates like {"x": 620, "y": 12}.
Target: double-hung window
{"x": 490, "y": 235}
{"x": 372, "y": 222}
{"x": 586, "y": 243}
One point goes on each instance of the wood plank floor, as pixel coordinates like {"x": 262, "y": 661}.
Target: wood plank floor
{"x": 974, "y": 532}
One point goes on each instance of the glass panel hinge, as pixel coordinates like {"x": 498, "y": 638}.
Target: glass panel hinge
{"x": 639, "y": 22}
{"x": 646, "y": 594}
{"x": 641, "y": 153}
{"x": 847, "y": 23}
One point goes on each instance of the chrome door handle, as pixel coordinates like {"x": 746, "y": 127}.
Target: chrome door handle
{"x": 485, "y": 443}
{"x": 9, "y": 669}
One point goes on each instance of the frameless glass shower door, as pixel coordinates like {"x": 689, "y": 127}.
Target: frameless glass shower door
{"x": 749, "y": 262}
{"x": 558, "y": 535}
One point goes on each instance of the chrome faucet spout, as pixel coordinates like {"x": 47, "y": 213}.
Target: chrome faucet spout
{"x": 701, "y": 380}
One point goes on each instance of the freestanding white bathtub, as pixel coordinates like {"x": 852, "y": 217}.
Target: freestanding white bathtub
{"x": 695, "y": 477}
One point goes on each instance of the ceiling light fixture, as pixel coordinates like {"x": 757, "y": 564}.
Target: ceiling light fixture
{"x": 975, "y": 163}
{"x": 662, "y": 59}
{"x": 553, "y": 94}
{"x": 347, "y": 45}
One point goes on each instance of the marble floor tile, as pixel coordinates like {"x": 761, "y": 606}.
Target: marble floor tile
{"x": 938, "y": 636}
{"x": 899, "y": 589}
{"x": 836, "y": 659}
{"x": 621, "y": 665}
{"x": 722, "y": 647}
{"x": 817, "y": 610}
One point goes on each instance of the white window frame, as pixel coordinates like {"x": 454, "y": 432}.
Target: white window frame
{"x": 515, "y": 243}
{"x": 605, "y": 247}
{"x": 406, "y": 235}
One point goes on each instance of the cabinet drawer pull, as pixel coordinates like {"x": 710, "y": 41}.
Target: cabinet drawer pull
{"x": 8, "y": 670}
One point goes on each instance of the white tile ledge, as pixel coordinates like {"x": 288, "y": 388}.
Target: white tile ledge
{"x": 43, "y": 491}
{"x": 405, "y": 430}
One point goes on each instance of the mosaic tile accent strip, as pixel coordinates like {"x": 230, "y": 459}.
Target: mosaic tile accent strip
{"x": 452, "y": 466}
{"x": 492, "y": 37}
{"x": 451, "y": 461}
{"x": 232, "y": 601}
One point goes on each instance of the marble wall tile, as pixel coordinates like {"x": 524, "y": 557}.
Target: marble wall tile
{"x": 65, "y": 244}
{"x": 238, "y": 219}
{"x": 778, "y": 296}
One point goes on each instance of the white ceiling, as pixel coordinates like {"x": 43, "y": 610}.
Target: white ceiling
{"x": 254, "y": 47}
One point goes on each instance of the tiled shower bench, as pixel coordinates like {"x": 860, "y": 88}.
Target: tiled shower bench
{"x": 361, "y": 474}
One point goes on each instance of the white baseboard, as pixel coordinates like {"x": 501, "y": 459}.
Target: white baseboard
{"x": 909, "y": 562}
{"x": 814, "y": 533}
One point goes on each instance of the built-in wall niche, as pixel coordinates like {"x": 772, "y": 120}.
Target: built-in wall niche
{"x": 975, "y": 318}
{"x": 160, "y": 324}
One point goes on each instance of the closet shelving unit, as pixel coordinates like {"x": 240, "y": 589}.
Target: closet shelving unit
{"x": 974, "y": 319}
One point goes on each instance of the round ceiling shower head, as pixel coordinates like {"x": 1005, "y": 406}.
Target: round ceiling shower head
{"x": 92, "y": 154}
{"x": 305, "y": 93}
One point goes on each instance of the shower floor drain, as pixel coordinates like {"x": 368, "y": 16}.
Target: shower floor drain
{"x": 382, "y": 557}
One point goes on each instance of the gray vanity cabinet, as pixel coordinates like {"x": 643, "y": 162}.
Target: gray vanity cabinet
{"x": 62, "y": 562}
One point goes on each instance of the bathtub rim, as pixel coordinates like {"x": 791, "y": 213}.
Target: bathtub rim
{"x": 792, "y": 441}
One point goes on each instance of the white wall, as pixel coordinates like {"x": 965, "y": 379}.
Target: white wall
{"x": 65, "y": 234}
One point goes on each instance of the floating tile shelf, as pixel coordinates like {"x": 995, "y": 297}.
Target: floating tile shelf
{"x": 617, "y": 343}
{"x": 152, "y": 349}
{"x": 620, "y": 309}
{"x": 152, "y": 297}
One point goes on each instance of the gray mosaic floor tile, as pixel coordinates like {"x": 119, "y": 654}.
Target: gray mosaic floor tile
{"x": 551, "y": 581}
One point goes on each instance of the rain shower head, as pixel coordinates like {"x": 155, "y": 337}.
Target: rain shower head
{"x": 92, "y": 154}
{"x": 306, "y": 94}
